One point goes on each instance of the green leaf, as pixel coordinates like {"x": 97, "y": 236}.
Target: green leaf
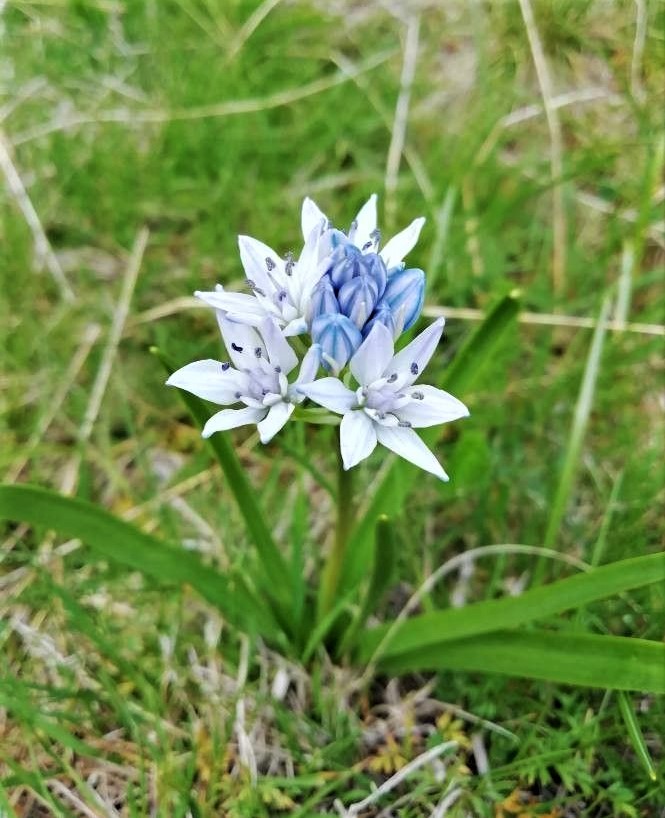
{"x": 636, "y": 737}
{"x": 576, "y": 438}
{"x": 567, "y": 658}
{"x": 431, "y": 630}
{"x": 389, "y": 497}
{"x": 274, "y": 564}
{"x": 383, "y": 571}
{"x": 121, "y": 542}
{"x": 477, "y": 353}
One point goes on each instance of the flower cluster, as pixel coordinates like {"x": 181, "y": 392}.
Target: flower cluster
{"x": 353, "y": 300}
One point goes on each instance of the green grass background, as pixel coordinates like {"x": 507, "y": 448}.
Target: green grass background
{"x": 200, "y": 120}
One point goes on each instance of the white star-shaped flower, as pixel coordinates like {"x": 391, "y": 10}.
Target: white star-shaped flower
{"x": 388, "y": 404}
{"x": 281, "y": 287}
{"x": 256, "y": 376}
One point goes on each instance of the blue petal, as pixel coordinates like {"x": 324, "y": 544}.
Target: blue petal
{"x": 345, "y": 263}
{"x": 324, "y": 301}
{"x": 381, "y": 315}
{"x": 357, "y": 299}
{"x": 405, "y": 295}
{"x": 374, "y": 267}
{"x": 338, "y": 338}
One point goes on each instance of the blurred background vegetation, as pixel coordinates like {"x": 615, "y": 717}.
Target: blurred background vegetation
{"x": 530, "y": 133}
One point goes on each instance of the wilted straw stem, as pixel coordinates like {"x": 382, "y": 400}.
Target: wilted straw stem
{"x": 332, "y": 570}
{"x": 43, "y": 250}
{"x": 559, "y": 228}
{"x": 398, "y": 138}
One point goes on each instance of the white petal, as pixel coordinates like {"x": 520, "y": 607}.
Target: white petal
{"x": 311, "y": 217}
{"x": 241, "y": 342}
{"x": 402, "y": 244}
{"x": 256, "y": 257}
{"x": 373, "y": 355}
{"x": 274, "y": 420}
{"x": 310, "y": 365}
{"x": 230, "y": 418}
{"x": 295, "y": 327}
{"x": 307, "y": 271}
{"x": 366, "y": 221}
{"x": 357, "y": 438}
{"x": 240, "y": 307}
{"x": 407, "y": 444}
{"x": 278, "y": 349}
{"x": 329, "y": 393}
{"x": 416, "y": 355}
{"x": 271, "y": 399}
{"x": 309, "y": 278}
{"x": 382, "y": 418}
{"x": 209, "y": 380}
{"x": 436, "y": 406}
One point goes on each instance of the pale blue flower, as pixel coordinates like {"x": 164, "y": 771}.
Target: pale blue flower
{"x": 388, "y": 404}
{"x": 256, "y": 377}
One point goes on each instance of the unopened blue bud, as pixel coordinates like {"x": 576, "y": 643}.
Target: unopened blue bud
{"x": 374, "y": 267}
{"x": 405, "y": 295}
{"x": 382, "y": 315}
{"x": 324, "y": 300}
{"x": 357, "y": 298}
{"x": 345, "y": 263}
{"x": 338, "y": 338}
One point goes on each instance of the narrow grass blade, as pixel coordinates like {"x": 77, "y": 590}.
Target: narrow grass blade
{"x": 116, "y": 540}
{"x": 477, "y": 353}
{"x": 576, "y": 438}
{"x": 383, "y": 571}
{"x": 431, "y": 630}
{"x": 14, "y": 697}
{"x": 273, "y": 562}
{"x": 391, "y": 493}
{"x": 323, "y": 627}
{"x": 600, "y": 545}
{"x": 80, "y": 620}
{"x": 299, "y": 526}
{"x": 588, "y": 660}
{"x": 304, "y": 460}
{"x": 6, "y": 809}
{"x": 34, "y": 783}
{"x": 636, "y": 737}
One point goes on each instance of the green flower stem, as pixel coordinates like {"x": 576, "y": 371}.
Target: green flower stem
{"x": 332, "y": 570}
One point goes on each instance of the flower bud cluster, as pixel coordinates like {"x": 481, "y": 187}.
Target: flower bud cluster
{"x": 357, "y": 291}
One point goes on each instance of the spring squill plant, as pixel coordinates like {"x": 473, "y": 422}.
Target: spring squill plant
{"x": 349, "y": 300}
{"x": 320, "y": 339}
